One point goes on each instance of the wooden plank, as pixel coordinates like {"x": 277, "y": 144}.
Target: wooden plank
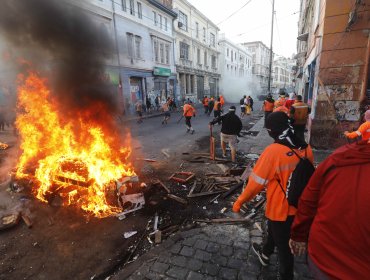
{"x": 205, "y": 193}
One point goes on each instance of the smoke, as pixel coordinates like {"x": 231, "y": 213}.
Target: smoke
{"x": 68, "y": 48}
{"x": 235, "y": 88}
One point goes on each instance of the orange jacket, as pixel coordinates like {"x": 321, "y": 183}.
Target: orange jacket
{"x": 205, "y": 101}
{"x": 282, "y": 109}
{"x": 217, "y": 106}
{"x": 189, "y": 110}
{"x": 280, "y": 102}
{"x": 268, "y": 106}
{"x": 222, "y": 100}
{"x": 363, "y": 131}
{"x": 275, "y": 164}
{"x": 300, "y": 112}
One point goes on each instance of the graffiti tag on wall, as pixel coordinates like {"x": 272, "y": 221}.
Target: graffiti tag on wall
{"x": 347, "y": 110}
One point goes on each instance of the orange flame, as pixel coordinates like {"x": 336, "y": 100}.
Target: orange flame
{"x": 80, "y": 166}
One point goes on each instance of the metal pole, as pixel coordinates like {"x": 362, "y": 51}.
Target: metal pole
{"x": 115, "y": 34}
{"x": 272, "y": 36}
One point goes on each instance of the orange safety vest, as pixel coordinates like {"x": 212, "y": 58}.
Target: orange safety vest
{"x": 268, "y": 106}
{"x": 275, "y": 165}
{"x": 363, "y": 131}
{"x": 189, "y": 110}
{"x": 222, "y": 100}
{"x": 282, "y": 109}
{"x": 215, "y": 107}
{"x": 280, "y": 102}
{"x": 300, "y": 113}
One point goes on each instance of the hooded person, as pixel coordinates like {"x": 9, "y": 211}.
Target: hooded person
{"x": 363, "y": 131}
{"x": 272, "y": 172}
{"x": 333, "y": 216}
{"x": 230, "y": 129}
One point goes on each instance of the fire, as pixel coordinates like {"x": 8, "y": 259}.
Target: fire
{"x": 80, "y": 166}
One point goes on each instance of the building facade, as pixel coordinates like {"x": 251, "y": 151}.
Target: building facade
{"x": 260, "y": 59}
{"x": 144, "y": 60}
{"x": 236, "y": 70}
{"x": 333, "y": 67}
{"x": 197, "y": 55}
{"x": 283, "y": 70}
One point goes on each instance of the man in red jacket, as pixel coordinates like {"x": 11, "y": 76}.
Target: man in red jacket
{"x": 333, "y": 216}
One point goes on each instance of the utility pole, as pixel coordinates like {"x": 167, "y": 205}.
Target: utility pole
{"x": 272, "y": 36}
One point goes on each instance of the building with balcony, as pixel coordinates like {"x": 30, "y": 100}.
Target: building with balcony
{"x": 283, "y": 74}
{"x": 260, "y": 63}
{"x": 197, "y": 55}
{"x": 236, "y": 70}
{"x": 333, "y": 67}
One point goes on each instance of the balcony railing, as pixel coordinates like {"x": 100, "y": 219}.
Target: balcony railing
{"x": 186, "y": 62}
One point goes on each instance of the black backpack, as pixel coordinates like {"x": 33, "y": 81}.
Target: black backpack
{"x": 298, "y": 179}
{"x": 241, "y": 101}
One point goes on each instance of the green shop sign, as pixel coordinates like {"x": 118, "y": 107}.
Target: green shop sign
{"x": 159, "y": 71}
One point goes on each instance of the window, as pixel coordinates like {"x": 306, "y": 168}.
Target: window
{"x": 205, "y": 58}
{"x": 161, "y": 52}
{"x": 184, "y": 50}
{"x": 183, "y": 20}
{"x": 137, "y": 46}
{"x": 124, "y": 8}
{"x": 197, "y": 30}
{"x": 132, "y": 7}
{"x": 198, "y": 56}
{"x": 130, "y": 38}
{"x": 155, "y": 18}
{"x": 212, "y": 39}
{"x": 167, "y": 54}
{"x": 232, "y": 55}
{"x": 227, "y": 52}
{"x": 213, "y": 61}
{"x": 160, "y": 21}
{"x": 139, "y": 10}
{"x": 165, "y": 24}
{"x": 156, "y": 51}
{"x": 204, "y": 34}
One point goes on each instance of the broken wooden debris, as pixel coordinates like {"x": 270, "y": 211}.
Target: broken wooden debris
{"x": 178, "y": 199}
{"x": 166, "y": 152}
{"x": 159, "y": 182}
{"x": 223, "y": 167}
{"x": 233, "y": 189}
{"x": 226, "y": 220}
{"x": 192, "y": 188}
{"x": 182, "y": 177}
{"x": 27, "y": 220}
{"x": 206, "y": 193}
{"x": 247, "y": 172}
{"x": 9, "y": 220}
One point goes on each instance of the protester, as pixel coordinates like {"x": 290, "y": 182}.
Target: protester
{"x": 291, "y": 100}
{"x": 230, "y": 129}
{"x": 242, "y": 106}
{"x": 211, "y": 104}
{"x": 189, "y": 112}
{"x": 205, "y": 104}
{"x": 156, "y": 101}
{"x": 363, "y": 131}
{"x": 139, "y": 110}
{"x": 222, "y": 101}
{"x": 148, "y": 104}
{"x": 250, "y": 102}
{"x": 280, "y": 101}
{"x": 268, "y": 106}
{"x": 272, "y": 171}
{"x": 217, "y": 109}
{"x": 333, "y": 216}
{"x": 299, "y": 113}
{"x": 167, "y": 114}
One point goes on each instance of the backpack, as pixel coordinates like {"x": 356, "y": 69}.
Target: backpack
{"x": 298, "y": 179}
{"x": 241, "y": 101}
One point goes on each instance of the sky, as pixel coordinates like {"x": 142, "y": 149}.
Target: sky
{"x": 253, "y": 22}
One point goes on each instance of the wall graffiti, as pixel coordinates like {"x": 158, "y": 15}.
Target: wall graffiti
{"x": 347, "y": 110}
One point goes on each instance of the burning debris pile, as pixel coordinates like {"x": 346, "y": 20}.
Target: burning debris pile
{"x": 70, "y": 143}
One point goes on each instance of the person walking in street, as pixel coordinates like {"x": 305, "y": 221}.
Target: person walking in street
{"x": 189, "y": 112}
{"x": 148, "y": 105}
{"x": 242, "y": 106}
{"x": 250, "y": 102}
{"x": 333, "y": 216}
{"x": 291, "y": 100}
{"x": 280, "y": 101}
{"x": 167, "y": 114}
{"x": 299, "y": 113}
{"x": 363, "y": 131}
{"x": 205, "y": 104}
{"x": 139, "y": 110}
{"x": 268, "y": 106}
{"x": 217, "y": 109}
{"x": 222, "y": 101}
{"x": 156, "y": 101}
{"x": 272, "y": 172}
{"x": 211, "y": 104}
{"x": 230, "y": 129}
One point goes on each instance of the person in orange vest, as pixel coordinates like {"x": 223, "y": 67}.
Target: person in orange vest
{"x": 268, "y": 106}
{"x": 211, "y": 104}
{"x": 189, "y": 112}
{"x": 222, "y": 101}
{"x": 363, "y": 131}
{"x": 272, "y": 172}
{"x": 217, "y": 109}
{"x": 299, "y": 113}
{"x": 280, "y": 101}
{"x": 291, "y": 100}
{"x": 205, "y": 104}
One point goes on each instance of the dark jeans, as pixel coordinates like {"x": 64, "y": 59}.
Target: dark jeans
{"x": 187, "y": 121}
{"x": 299, "y": 130}
{"x": 217, "y": 114}
{"x": 278, "y": 235}
{"x": 266, "y": 115}
{"x": 210, "y": 109}
{"x": 205, "y": 109}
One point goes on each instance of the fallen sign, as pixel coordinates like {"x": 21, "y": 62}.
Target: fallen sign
{"x": 180, "y": 177}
